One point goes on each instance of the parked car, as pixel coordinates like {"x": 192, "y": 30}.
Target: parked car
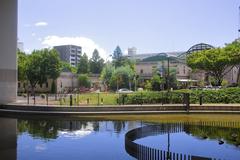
{"x": 124, "y": 90}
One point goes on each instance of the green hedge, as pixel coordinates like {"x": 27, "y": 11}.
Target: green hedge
{"x": 228, "y": 95}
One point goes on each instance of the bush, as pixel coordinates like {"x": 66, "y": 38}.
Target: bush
{"x": 227, "y": 95}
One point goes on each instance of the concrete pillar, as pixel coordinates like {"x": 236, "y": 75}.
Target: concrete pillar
{"x": 8, "y": 45}
{"x": 8, "y": 139}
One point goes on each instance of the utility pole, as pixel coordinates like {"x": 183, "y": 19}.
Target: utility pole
{"x": 239, "y": 23}
{"x": 168, "y": 73}
{"x": 238, "y": 40}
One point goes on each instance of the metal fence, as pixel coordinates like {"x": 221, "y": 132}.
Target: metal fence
{"x": 147, "y": 153}
{"x": 102, "y": 98}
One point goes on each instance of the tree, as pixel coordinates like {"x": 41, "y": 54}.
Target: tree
{"x": 66, "y": 67}
{"x": 96, "y": 63}
{"x": 122, "y": 77}
{"x": 33, "y": 69}
{"x": 234, "y": 48}
{"x": 22, "y": 60}
{"x": 106, "y": 75}
{"x": 157, "y": 82}
{"x": 117, "y": 53}
{"x": 42, "y": 65}
{"x": 148, "y": 85}
{"x": 216, "y": 62}
{"x": 84, "y": 81}
{"x": 51, "y": 64}
{"x": 83, "y": 66}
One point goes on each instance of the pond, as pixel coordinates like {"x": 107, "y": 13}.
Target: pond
{"x": 90, "y": 138}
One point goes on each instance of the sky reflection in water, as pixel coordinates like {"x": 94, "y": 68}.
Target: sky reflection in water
{"x": 72, "y": 140}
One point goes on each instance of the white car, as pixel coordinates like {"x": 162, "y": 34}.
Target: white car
{"x": 124, "y": 90}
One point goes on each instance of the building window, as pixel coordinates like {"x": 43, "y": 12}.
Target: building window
{"x": 19, "y": 84}
{"x": 141, "y": 71}
{"x": 184, "y": 70}
{"x": 46, "y": 84}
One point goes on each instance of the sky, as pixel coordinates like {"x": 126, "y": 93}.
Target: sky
{"x": 152, "y": 26}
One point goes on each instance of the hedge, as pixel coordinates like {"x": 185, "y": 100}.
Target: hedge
{"x": 227, "y": 95}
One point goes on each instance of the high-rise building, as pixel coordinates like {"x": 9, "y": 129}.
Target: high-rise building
{"x": 20, "y": 46}
{"x": 69, "y": 53}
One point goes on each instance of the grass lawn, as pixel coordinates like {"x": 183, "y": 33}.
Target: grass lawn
{"x": 92, "y": 99}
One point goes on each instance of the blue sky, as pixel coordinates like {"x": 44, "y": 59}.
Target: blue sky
{"x": 149, "y": 25}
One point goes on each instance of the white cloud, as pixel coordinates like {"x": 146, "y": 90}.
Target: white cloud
{"x": 33, "y": 34}
{"x": 40, "y": 147}
{"x": 39, "y": 39}
{"x": 41, "y": 24}
{"x": 88, "y": 45}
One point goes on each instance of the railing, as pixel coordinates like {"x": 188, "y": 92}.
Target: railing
{"x": 165, "y": 100}
{"x": 142, "y": 152}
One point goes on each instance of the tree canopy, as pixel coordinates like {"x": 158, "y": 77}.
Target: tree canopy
{"x": 39, "y": 66}
{"x": 84, "y": 81}
{"x": 22, "y": 60}
{"x": 83, "y": 66}
{"x": 216, "y": 62}
{"x": 106, "y": 74}
{"x": 117, "y": 53}
{"x": 122, "y": 77}
{"x": 96, "y": 63}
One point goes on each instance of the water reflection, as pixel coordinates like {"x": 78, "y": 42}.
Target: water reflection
{"x": 51, "y": 129}
{"x": 138, "y": 144}
{"x": 8, "y": 139}
{"x": 84, "y": 139}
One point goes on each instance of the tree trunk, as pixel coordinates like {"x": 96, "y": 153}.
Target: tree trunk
{"x": 219, "y": 81}
{"x": 32, "y": 90}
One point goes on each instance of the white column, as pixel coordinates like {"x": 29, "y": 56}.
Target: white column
{"x": 8, "y": 45}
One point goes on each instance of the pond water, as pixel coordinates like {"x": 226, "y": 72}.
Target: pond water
{"x": 32, "y": 139}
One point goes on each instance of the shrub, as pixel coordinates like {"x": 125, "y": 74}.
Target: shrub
{"x": 227, "y": 95}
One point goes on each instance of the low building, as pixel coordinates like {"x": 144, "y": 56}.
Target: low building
{"x": 147, "y": 64}
{"x": 65, "y": 83}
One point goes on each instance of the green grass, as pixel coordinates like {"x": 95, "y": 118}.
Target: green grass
{"x": 92, "y": 99}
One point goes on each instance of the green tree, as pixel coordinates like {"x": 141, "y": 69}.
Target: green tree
{"x": 22, "y": 60}
{"x": 234, "y": 48}
{"x": 42, "y": 65}
{"x": 106, "y": 75}
{"x": 96, "y": 63}
{"x": 122, "y": 77}
{"x": 83, "y": 66}
{"x": 157, "y": 82}
{"x": 216, "y": 62}
{"x": 33, "y": 69}
{"x": 84, "y": 81}
{"x": 172, "y": 79}
{"x": 51, "y": 64}
{"x": 119, "y": 60}
{"x": 117, "y": 53}
{"x": 66, "y": 67}
{"x": 148, "y": 85}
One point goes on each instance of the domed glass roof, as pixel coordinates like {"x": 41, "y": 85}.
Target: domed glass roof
{"x": 199, "y": 47}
